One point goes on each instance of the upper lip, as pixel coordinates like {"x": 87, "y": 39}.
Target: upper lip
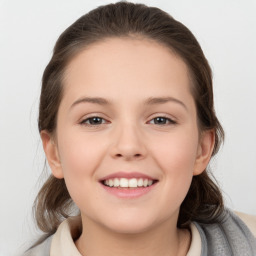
{"x": 127, "y": 175}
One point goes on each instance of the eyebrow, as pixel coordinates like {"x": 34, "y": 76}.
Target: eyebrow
{"x": 95, "y": 100}
{"x": 163, "y": 100}
{"x": 149, "y": 101}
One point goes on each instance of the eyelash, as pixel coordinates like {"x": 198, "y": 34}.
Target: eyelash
{"x": 84, "y": 122}
{"x": 166, "y": 120}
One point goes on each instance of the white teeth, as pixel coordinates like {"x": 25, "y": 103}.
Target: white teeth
{"x": 124, "y": 183}
{"x": 116, "y": 182}
{"x": 128, "y": 183}
{"x": 140, "y": 182}
{"x": 133, "y": 183}
{"x": 111, "y": 183}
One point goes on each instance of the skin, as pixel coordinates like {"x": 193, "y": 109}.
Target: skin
{"x": 127, "y": 73}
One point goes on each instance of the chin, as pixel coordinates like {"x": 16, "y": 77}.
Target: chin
{"x": 130, "y": 228}
{"x": 129, "y": 223}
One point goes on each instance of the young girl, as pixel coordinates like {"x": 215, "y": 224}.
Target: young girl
{"x": 128, "y": 127}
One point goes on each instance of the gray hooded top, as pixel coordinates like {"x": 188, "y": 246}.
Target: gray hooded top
{"x": 229, "y": 237}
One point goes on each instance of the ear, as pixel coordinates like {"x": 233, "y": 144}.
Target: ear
{"x": 204, "y": 151}
{"x": 52, "y": 154}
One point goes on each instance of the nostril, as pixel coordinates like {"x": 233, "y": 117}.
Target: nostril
{"x": 136, "y": 155}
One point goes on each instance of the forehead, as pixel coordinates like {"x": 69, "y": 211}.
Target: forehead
{"x": 121, "y": 66}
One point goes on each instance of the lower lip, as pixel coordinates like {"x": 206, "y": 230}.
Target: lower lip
{"x": 129, "y": 192}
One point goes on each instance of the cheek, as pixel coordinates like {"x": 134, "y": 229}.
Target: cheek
{"x": 79, "y": 160}
{"x": 176, "y": 158}
{"x": 78, "y": 153}
{"x": 177, "y": 152}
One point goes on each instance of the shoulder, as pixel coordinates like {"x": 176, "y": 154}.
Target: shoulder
{"x": 42, "y": 249}
{"x": 61, "y": 242}
{"x": 229, "y": 236}
{"x": 249, "y": 220}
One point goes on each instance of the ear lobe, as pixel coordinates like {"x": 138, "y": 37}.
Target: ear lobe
{"x": 204, "y": 152}
{"x": 52, "y": 155}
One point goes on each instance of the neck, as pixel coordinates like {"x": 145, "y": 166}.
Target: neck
{"x": 165, "y": 240}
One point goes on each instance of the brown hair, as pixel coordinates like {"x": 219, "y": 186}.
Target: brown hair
{"x": 203, "y": 202}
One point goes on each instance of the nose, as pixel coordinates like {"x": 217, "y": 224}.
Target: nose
{"x": 128, "y": 143}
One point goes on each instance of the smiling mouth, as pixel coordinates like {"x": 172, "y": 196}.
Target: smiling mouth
{"x": 128, "y": 183}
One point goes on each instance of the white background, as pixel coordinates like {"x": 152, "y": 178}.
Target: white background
{"x": 226, "y": 31}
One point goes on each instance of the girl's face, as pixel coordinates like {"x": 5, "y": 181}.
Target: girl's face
{"x": 127, "y": 118}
